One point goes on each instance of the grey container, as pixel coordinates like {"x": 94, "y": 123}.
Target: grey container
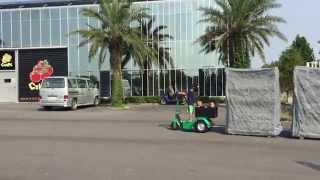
{"x": 306, "y": 106}
{"x": 253, "y": 102}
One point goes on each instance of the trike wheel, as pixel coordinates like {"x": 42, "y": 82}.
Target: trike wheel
{"x": 201, "y": 127}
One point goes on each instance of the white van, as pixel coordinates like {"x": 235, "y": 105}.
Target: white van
{"x": 60, "y": 91}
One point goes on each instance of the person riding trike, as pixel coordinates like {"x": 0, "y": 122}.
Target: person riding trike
{"x": 201, "y": 123}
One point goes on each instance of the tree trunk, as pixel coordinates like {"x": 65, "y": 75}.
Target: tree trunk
{"x": 117, "y": 98}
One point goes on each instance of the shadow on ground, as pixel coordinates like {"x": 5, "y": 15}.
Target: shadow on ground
{"x": 221, "y": 129}
{"x": 311, "y": 164}
{"x": 65, "y": 109}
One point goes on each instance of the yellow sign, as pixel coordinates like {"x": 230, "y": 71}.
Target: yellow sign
{"x": 34, "y": 86}
{"x": 6, "y": 60}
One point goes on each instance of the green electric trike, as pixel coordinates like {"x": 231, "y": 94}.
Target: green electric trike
{"x": 199, "y": 124}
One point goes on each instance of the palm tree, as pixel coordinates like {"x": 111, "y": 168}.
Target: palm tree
{"x": 238, "y": 30}
{"x": 155, "y": 38}
{"x": 116, "y": 32}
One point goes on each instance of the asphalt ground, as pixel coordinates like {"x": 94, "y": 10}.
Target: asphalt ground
{"x": 104, "y": 143}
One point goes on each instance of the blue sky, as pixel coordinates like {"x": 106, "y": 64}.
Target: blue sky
{"x": 302, "y": 18}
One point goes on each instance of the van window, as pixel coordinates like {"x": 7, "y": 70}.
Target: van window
{"x": 92, "y": 84}
{"x": 72, "y": 83}
{"x": 82, "y": 83}
{"x": 53, "y": 83}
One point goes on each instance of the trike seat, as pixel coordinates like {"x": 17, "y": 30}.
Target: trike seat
{"x": 207, "y": 112}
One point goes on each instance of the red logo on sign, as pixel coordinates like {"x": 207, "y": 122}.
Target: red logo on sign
{"x": 42, "y": 70}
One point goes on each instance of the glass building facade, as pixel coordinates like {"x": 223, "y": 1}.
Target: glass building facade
{"x": 39, "y": 27}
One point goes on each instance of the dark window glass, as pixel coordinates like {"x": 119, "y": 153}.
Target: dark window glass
{"x": 82, "y": 83}
{"x": 6, "y": 28}
{"x": 16, "y": 29}
{"x": 73, "y": 26}
{"x": 72, "y": 83}
{"x": 45, "y": 27}
{"x": 55, "y": 27}
{"x": 35, "y": 27}
{"x": 64, "y": 26}
{"x": 7, "y": 80}
{"x": 92, "y": 84}
{"x": 53, "y": 83}
{"x": 25, "y": 22}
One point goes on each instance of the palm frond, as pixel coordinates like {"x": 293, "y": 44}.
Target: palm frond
{"x": 238, "y": 29}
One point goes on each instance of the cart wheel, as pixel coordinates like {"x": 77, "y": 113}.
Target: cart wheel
{"x": 174, "y": 126}
{"x": 201, "y": 127}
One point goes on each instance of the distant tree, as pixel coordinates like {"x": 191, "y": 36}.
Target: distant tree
{"x": 271, "y": 65}
{"x": 288, "y": 60}
{"x": 298, "y": 53}
{"x": 302, "y": 45}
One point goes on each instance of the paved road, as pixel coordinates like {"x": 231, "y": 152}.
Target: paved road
{"x": 104, "y": 144}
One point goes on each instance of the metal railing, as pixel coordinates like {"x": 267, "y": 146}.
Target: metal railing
{"x": 314, "y": 64}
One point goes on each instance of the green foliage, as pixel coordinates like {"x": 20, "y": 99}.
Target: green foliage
{"x": 243, "y": 62}
{"x": 297, "y": 54}
{"x": 302, "y": 45}
{"x": 238, "y": 30}
{"x": 156, "y": 99}
{"x": 271, "y": 65}
{"x": 206, "y": 99}
{"x": 149, "y": 30}
{"x": 116, "y": 32}
{"x": 288, "y": 60}
{"x": 143, "y": 99}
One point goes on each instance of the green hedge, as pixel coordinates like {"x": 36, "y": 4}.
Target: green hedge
{"x": 156, "y": 99}
{"x": 206, "y": 99}
{"x": 142, "y": 99}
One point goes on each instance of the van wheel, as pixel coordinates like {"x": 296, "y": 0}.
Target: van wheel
{"x": 96, "y": 101}
{"x": 47, "y": 108}
{"x": 74, "y": 104}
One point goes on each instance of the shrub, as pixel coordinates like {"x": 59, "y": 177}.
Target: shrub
{"x": 217, "y": 99}
{"x": 142, "y": 99}
{"x": 156, "y": 99}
